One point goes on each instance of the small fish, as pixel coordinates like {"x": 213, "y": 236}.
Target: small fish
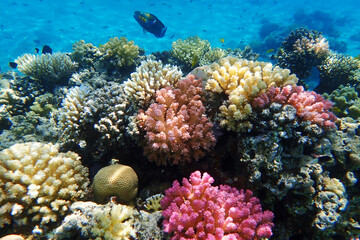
{"x": 36, "y": 50}
{"x": 46, "y": 49}
{"x": 195, "y": 61}
{"x": 270, "y": 50}
{"x": 13, "y": 65}
{"x": 150, "y": 23}
{"x": 222, "y": 40}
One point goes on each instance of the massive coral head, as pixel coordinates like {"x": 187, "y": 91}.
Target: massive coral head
{"x": 198, "y": 210}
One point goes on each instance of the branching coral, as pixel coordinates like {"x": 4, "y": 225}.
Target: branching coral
{"x": 48, "y": 69}
{"x": 85, "y": 54}
{"x": 242, "y": 80}
{"x": 38, "y": 184}
{"x": 309, "y": 105}
{"x": 198, "y": 210}
{"x": 176, "y": 127}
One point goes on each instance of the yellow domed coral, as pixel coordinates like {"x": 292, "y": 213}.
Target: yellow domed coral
{"x": 243, "y": 80}
{"x": 38, "y": 183}
{"x": 115, "y": 180}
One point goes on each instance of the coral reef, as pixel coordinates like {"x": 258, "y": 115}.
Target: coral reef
{"x": 309, "y": 106}
{"x": 337, "y": 69}
{"x": 48, "y": 69}
{"x": 302, "y": 50}
{"x": 176, "y": 127}
{"x": 115, "y": 180}
{"x": 212, "y": 55}
{"x": 85, "y": 54}
{"x": 241, "y": 81}
{"x": 38, "y": 184}
{"x": 198, "y": 210}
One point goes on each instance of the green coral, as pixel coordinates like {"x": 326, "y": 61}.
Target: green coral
{"x": 48, "y": 69}
{"x": 346, "y": 102}
{"x": 85, "y": 54}
{"x": 188, "y": 52}
{"x": 119, "y": 54}
{"x": 212, "y": 56}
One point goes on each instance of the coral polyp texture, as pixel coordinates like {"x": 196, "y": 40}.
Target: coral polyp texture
{"x": 241, "y": 81}
{"x": 309, "y": 105}
{"x": 48, "y": 69}
{"x": 38, "y": 183}
{"x": 176, "y": 127}
{"x": 148, "y": 78}
{"x": 198, "y": 210}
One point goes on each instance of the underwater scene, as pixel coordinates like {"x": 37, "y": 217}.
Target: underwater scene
{"x": 183, "y": 119}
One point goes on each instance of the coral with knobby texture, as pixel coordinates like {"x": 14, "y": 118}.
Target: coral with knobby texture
{"x": 241, "y": 81}
{"x": 48, "y": 69}
{"x": 115, "y": 180}
{"x": 85, "y": 54}
{"x": 92, "y": 221}
{"x": 302, "y": 50}
{"x": 309, "y": 106}
{"x": 176, "y": 128}
{"x": 38, "y": 183}
{"x": 148, "y": 78}
{"x": 212, "y": 55}
{"x": 118, "y": 53}
{"x": 188, "y": 52}
{"x": 198, "y": 210}
{"x": 346, "y": 102}
{"x": 337, "y": 69}
{"x": 152, "y": 203}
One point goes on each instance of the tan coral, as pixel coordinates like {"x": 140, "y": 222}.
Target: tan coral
{"x": 115, "y": 180}
{"x": 38, "y": 183}
{"x": 243, "y": 80}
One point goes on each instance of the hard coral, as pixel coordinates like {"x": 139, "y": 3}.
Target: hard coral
{"x": 176, "y": 127}
{"x": 198, "y": 210}
{"x": 309, "y": 105}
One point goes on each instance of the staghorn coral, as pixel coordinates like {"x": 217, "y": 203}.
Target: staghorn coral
{"x": 337, "y": 69}
{"x": 118, "y": 54}
{"x": 309, "y": 106}
{"x": 198, "y": 210}
{"x": 38, "y": 184}
{"x": 92, "y": 221}
{"x": 48, "y": 69}
{"x": 115, "y": 180}
{"x": 148, "y": 78}
{"x": 188, "y": 52}
{"x": 302, "y": 50}
{"x": 241, "y": 81}
{"x": 176, "y": 128}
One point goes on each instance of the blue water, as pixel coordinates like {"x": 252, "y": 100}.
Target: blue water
{"x": 26, "y": 24}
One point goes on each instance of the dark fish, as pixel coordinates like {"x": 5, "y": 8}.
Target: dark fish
{"x": 150, "y": 23}
{"x": 13, "y": 64}
{"x": 46, "y": 49}
{"x": 36, "y": 50}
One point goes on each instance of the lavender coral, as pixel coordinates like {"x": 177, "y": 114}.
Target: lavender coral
{"x": 176, "y": 128}
{"x": 309, "y": 105}
{"x": 198, "y": 210}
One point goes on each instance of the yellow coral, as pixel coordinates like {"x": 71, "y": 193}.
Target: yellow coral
{"x": 38, "y": 184}
{"x": 152, "y": 203}
{"x": 243, "y": 80}
{"x": 148, "y": 78}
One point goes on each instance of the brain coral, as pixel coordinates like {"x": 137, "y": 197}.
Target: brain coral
{"x": 198, "y": 210}
{"x": 177, "y": 129}
{"x": 115, "y": 180}
{"x": 38, "y": 184}
{"x": 241, "y": 81}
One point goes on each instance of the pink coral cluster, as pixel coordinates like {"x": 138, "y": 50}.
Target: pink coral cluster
{"x": 309, "y": 105}
{"x": 176, "y": 127}
{"x": 198, "y": 210}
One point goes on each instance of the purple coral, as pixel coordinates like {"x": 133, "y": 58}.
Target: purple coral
{"x": 198, "y": 210}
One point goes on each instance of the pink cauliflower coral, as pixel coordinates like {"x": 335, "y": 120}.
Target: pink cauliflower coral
{"x": 198, "y": 210}
{"x": 176, "y": 127}
{"x": 309, "y": 105}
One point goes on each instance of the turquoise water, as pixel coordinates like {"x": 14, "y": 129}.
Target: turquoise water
{"x": 25, "y": 25}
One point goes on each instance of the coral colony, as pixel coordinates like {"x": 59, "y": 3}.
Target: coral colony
{"x": 94, "y": 142}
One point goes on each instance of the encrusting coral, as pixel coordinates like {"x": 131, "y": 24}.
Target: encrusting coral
{"x": 198, "y": 210}
{"x": 241, "y": 81}
{"x": 115, "y": 180}
{"x": 176, "y": 127}
{"x": 38, "y": 183}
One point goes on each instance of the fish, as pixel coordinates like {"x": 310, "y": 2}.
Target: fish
{"x": 13, "y": 65}
{"x": 46, "y": 49}
{"x": 270, "y": 50}
{"x": 150, "y": 23}
{"x": 222, "y": 40}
